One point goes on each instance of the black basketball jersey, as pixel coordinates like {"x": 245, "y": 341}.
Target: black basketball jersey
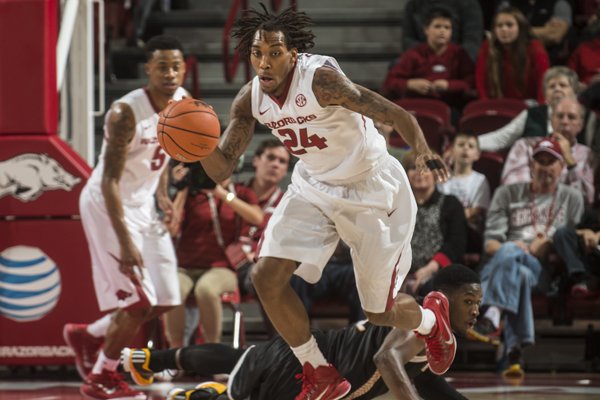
{"x": 268, "y": 371}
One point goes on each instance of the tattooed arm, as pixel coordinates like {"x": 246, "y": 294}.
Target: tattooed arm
{"x": 120, "y": 131}
{"x": 221, "y": 163}
{"x": 332, "y": 88}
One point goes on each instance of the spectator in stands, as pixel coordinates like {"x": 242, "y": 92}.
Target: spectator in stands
{"x": 521, "y": 223}
{"x": 337, "y": 281}
{"x": 558, "y": 82}
{"x": 270, "y": 161}
{"x": 585, "y": 60}
{"x": 469, "y": 186}
{"x": 579, "y": 248}
{"x": 550, "y": 22}
{"x": 440, "y": 236}
{"x": 214, "y": 217}
{"x": 436, "y": 68}
{"x": 511, "y": 63}
{"x": 567, "y": 121}
{"x": 467, "y": 23}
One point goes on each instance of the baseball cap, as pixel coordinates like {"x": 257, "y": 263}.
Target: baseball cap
{"x": 548, "y": 145}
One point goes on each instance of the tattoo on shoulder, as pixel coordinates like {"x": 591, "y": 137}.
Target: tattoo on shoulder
{"x": 332, "y": 88}
{"x": 121, "y": 124}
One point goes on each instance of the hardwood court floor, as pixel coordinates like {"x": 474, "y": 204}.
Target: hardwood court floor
{"x": 475, "y": 386}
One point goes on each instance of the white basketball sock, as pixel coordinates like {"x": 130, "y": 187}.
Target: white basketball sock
{"x": 99, "y": 327}
{"x": 427, "y": 321}
{"x": 309, "y": 352}
{"x": 493, "y": 313}
{"x": 104, "y": 363}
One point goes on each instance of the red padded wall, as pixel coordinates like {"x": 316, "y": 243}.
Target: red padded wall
{"x": 28, "y": 96}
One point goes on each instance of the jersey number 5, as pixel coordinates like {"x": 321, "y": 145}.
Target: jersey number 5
{"x": 306, "y": 141}
{"x": 158, "y": 159}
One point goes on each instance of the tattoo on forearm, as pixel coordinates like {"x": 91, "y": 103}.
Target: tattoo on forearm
{"x": 238, "y": 134}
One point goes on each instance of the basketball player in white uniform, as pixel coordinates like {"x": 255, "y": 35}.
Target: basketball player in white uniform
{"x": 133, "y": 261}
{"x": 345, "y": 186}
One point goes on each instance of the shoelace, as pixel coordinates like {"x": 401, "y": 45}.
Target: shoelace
{"x": 435, "y": 347}
{"x": 308, "y": 386}
{"x": 116, "y": 380}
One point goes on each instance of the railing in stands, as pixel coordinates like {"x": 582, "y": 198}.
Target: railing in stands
{"x": 231, "y": 62}
{"x": 191, "y": 71}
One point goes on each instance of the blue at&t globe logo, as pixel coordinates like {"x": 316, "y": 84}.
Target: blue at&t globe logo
{"x": 29, "y": 283}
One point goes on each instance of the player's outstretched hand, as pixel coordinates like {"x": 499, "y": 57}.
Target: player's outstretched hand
{"x": 434, "y": 163}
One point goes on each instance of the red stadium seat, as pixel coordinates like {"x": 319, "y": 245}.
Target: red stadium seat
{"x": 482, "y": 116}
{"x": 433, "y": 117}
{"x": 432, "y": 106}
{"x": 490, "y": 164}
{"x": 491, "y": 106}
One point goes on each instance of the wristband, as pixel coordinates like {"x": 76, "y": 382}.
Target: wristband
{"x": 434, "y": 164}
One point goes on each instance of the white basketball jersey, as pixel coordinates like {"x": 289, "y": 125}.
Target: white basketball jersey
{"x": 145, "y": 158}
{"x": 333, "y": 143}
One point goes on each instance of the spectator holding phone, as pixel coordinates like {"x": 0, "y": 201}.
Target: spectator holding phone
{"x": 215, "y": 216}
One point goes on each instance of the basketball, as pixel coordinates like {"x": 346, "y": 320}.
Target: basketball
{"x": 188, "y": 130}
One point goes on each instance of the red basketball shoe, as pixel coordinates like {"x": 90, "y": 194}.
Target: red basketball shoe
{"x": 84, "y": 345}
{"x": 322, "y": 383}
{"x": 109, "y": 385}
{"x": 441, "y": 343}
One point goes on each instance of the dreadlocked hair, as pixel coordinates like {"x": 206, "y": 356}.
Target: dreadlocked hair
{"x": 291, "y": 23}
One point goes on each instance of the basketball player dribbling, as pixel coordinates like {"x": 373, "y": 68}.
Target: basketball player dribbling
{"x": 345, "y": 186}
{"x": 133, "y": 260}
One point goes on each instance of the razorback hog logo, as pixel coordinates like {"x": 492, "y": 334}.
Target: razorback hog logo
{"x": 28, "y": 175}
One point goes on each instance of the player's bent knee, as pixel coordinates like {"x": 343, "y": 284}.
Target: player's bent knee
{"x": 377, "y": 318}
{"x": 271, "y": 271}
{"x": 133, "y": 314}
{"x": 162, "y": 309}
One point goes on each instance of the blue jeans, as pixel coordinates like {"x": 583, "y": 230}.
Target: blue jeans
{"x": 570, "y": 248}
{"x": 507, "y": 281}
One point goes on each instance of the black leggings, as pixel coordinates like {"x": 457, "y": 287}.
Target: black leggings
{"x": 435, "y": 387}
{"x": 204, "y": 359}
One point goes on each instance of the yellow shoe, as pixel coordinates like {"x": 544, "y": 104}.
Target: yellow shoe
{"x": 136, "y": 362}
{"x": 216, "y": 387}
{"x": 514, "y": 375}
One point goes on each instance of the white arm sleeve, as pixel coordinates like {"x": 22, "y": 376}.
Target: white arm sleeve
{"x": 504, "y": 137}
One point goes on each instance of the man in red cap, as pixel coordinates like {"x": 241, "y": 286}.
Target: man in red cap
{"x": 520, "y": 224}
{"x": 567, "y": 123}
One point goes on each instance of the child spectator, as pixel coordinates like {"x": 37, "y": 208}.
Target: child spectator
{"x": 436, "y": 68}
{"x": 467, "y": 22}
{"x": 469, "y": 186}
{"x": 511, "y": 63}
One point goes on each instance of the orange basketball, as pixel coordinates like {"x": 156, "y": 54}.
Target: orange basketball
{"x": 188, "y": 130}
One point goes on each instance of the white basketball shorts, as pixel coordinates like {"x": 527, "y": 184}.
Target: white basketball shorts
{"x": 157, "y": 284}
{"x": 374, "y": 214}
